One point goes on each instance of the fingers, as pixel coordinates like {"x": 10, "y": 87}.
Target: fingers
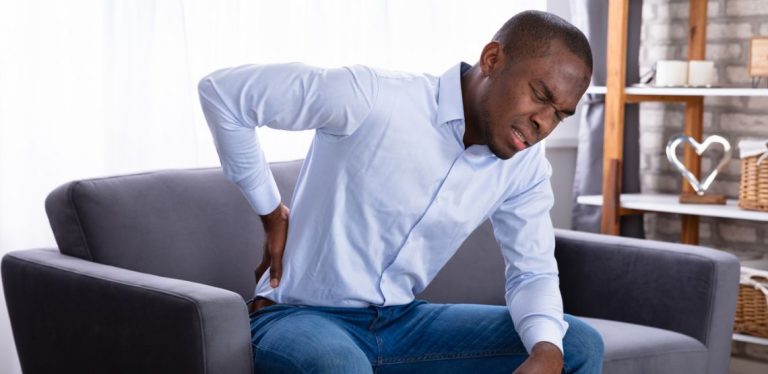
{"x": 276, "y": 270}
{"x": 276, "y": 253}
{"x": 265, "y": 261}
{"x": 276, "y": 231}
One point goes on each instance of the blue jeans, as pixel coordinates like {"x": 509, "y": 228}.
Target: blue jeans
{"x": 418, "y": 337}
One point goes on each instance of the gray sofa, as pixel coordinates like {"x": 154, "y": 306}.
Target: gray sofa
{"x": 152, "y": 271}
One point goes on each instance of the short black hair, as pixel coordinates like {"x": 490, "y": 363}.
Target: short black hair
{"x": 530, "y": 34}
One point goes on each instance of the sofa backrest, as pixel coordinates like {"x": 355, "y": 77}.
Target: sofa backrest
{"x": 188, "y": 224}
{"x": 195, "y": 225}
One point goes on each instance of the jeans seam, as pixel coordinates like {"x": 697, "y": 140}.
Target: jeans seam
{"x": 376, "y": 336}
{"x": 379, "y": 359}
{"x": 373, "y": 323}
{"x": 440, "y": 357}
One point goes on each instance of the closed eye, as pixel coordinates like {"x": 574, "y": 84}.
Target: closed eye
{"x": 548, "y": 97}
{"x": 559, "y": 116}
{"x": 545, "y": 99}
{"x": 538, "y": 95}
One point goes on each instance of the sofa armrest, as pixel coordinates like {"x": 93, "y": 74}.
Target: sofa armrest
{"x": 684, "y": 288}
{"x": 76, "y": 316}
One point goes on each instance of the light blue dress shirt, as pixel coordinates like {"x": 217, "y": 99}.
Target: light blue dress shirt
{"x": 387, "y": 192}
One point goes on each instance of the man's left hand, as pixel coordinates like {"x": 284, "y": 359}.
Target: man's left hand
{"x": 545, "y": 358}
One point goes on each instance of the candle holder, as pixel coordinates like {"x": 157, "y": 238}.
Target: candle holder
{"x": 671, "y": 73}
{"x": 678, "y": 73}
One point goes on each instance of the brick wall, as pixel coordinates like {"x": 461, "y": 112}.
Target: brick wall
{"x": 731, "y": 24}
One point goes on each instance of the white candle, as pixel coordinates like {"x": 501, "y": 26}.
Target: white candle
{"x": 701, "y": 73}
{"x": 671, "y": 73}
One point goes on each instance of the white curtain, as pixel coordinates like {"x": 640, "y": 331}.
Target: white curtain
{"x": 93, "y": 88}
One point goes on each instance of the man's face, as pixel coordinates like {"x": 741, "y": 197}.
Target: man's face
{"x": 521, "y": 102}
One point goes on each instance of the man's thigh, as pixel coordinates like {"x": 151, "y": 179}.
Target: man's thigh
{"x": 451, "y": 338}
{"x": 289, "y": 339}
{"x": 474, "y": 338}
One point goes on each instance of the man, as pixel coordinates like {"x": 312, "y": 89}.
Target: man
{"x": 403, "y": 167}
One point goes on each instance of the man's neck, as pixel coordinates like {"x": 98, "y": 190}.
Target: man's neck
{"x": 470, "y": 77}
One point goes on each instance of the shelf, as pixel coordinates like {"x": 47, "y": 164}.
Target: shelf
{"x": 680, "y": 91}
{"x": 750, "y": 339}
{"x": 667, "y": 203}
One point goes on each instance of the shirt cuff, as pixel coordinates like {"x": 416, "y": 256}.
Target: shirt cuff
{"x": 542, "y": 329}
{"x": 265, "y": 198}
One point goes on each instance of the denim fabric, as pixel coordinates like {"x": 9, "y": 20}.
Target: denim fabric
{"x": 415, "y": 337}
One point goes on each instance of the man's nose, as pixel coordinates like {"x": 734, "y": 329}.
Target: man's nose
{"x": 543, "y": 121}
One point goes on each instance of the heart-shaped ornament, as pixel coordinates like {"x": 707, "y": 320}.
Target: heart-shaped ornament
{"x": 698, "y": 186}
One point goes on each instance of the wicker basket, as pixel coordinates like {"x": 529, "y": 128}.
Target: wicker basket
{"x": 752, "y": 306}
{"x": 753, "y": 189}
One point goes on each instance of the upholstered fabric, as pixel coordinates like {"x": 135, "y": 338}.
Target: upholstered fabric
{"x": 631, "y": 348}
{"x": 155, "y": 267}
{"x": 175, "y": 223}
{"x": 75, "y": 316}
{"x": 688, "y": 289}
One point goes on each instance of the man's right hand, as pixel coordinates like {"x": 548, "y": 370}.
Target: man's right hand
{"x": 276, "y": 232}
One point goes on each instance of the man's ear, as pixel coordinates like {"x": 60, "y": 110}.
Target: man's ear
{"x": 491, "y": 59}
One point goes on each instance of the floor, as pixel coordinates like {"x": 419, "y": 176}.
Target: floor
{"x": 744, "y": 366}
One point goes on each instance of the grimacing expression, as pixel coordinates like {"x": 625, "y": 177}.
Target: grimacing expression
{"x": 523, "y": 101}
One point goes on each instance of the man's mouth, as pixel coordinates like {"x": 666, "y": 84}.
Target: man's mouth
{"x": 519, "y": 135}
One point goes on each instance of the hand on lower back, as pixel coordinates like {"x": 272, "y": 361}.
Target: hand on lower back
{"x": 275, "y": 232}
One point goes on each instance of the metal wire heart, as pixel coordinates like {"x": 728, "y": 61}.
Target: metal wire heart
{"x": 699, "y": 187}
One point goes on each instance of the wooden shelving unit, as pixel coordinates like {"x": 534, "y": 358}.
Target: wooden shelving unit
{"x": 640, "y": 203}
{"x": 617, "y": 96}
{"x": 750, "y": 339}
{"x": 667, "y": 203}
{"x": 646, "y": 92}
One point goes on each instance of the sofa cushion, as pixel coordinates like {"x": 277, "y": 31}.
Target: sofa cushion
{"x": 186, "y": 224}
{"x": 631, "y": 348}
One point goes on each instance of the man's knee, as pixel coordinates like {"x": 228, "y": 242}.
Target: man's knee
{"x": 583, "y": 347}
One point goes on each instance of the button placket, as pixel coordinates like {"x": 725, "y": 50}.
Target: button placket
{"x": 431, "y": 222}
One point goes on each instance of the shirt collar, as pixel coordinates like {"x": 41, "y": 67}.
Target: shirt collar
{"x": 450, "y": 105}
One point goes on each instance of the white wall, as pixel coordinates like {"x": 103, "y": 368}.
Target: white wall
{"x": 91, "y": 88}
